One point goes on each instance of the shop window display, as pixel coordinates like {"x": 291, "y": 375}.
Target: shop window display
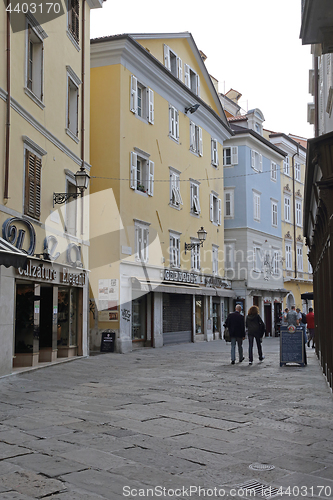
{"x": 24, "y": 325}
{"x": 139, "y": 319}
{"x": 67, "y": 317}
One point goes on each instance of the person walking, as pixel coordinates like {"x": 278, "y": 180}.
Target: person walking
{"x": 311, "y": 326}
{"x": 284, "y": 321}
{"x": 255, "y": 330}
{"x": 236, "y": 324}
{"x": 291, "y": 317}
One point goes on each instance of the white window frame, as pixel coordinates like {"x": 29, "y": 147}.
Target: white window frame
{"x": 276, "y": 262}
{"x": 196, "y": 145}
{"x": 147, "y": 100}
{"x": 257, "y": 259}
{"x": 256, "y": 160}
{"x": 172, "y": 62}
{"x": 229, "y": 255}
{"x": 230, "y": 156}
{"x": 274, "y": 207}
{"x": 299, "y": 249}
{"x": 298, "y": 209}
{"x": 146, "y": 175}
{"x": 256, "y": 205}
{"x": 310, "y": 269}
{"x": 72, "y": 106}
{"x": 215, "y": 260}
{"x": 273, "y": 171}
{"x": 287, "y": 208}
{"x": 297, "y": 171}
{"x": 141, "y": 238}
{"x": 215, "y": 208}
{"x": 288, "y": 254}
{"x": 286, "y": 166}
{"x": 229, "y": 203}
{"x": 34, "y": 67}
{"x": 173, "y": 123}
{"x": 174, "y": 248}
{"x": 195, "y": 197}
{"x": 175, "y": 196}
{"x": 191, "y": 79}
{"x": 195, "y": 255}
{"x": 214, "y": 153}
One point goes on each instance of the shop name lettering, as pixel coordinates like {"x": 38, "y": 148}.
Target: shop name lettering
{"x": 45, "y": 273}
{"x": 180, "y": 276}
{"x": 16, "y": 237}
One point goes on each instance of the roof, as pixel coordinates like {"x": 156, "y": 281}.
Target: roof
{"x": 237, "y": 118}
{"x": 296, "y": 143}
{"x": 238, "y": 130}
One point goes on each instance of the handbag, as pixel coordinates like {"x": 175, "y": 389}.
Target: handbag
{"x": 227, "y": 335}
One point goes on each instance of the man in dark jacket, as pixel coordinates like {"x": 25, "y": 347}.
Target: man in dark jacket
{"x": 236, "y": 324}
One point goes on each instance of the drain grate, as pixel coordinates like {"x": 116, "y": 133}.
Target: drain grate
{"x": 261, "y": 467}
{"x": 256, "y": 489}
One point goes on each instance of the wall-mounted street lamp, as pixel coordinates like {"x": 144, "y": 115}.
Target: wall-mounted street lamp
{"x": 202, "y": 234}
{"x": 81, "y": 181}
{"x": 192, "y": 109}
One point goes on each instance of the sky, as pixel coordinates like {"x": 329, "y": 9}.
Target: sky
{"x": 251, "y": 46}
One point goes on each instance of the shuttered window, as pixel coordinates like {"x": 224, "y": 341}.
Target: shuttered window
{"x": 73, "y": 18}
{"x": 32, "y": 199}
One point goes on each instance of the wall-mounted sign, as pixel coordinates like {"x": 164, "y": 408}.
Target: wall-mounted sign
{"x": 108, "y": 297}
{"x": 39, "y": 271}
{"x": 72, "y": 278}
{"x": 216, "y": 281}
{"x": 181, "y": 276}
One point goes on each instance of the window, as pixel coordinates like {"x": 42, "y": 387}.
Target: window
{"x": 299, "y": 258}
{"x": 288, "y": 256}
{"x": 142, "y": 173}
{"x": 142, "y": 100}
{"x": 215, "y": 260}
{"x": 298, "y": 171}
{"x": 175, "y": 197}
{"x": 173, "y": 62}
{"x": 196, "y": 139}
{"x": 286, "y": 166}
{"x": 229, "y": 256}
{"x": 174, "y": 249}
{"x": 310, "y": 270}
{"x": 256, "y": 160}
{"x": 274, "y": 205}
{"x": 32, "y": 196}
{"x": 73, "y": 18}
{"x": 276, "y": 260}
{"x": 195, "y": 203}
{"x": 298, "y": 213}
{"x": 287, "y": 208}
{"x": 195, "y": 255}
{"x": 173, "y": 123}
{"x": 141, "y": 240}
{"x": 228, "y": 203}
{"x": 257, "y": 260}
{"x": 192, "y": 80}
{"x": 230, "y": 156}
{"x": 72, "y": 111}
{"x": 214, "y": 153}
{"x": 273, "y": 171}
{"x": 257, "y": 128}
{"x": 34, "y": 72}
{"x": 256, "y": 206}
{"x": 215, "y": 209}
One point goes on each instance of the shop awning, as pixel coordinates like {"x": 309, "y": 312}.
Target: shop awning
{"x": 143, "y": 285}
{"x": 11, "y": 256}
{"x": 307, "y": 296}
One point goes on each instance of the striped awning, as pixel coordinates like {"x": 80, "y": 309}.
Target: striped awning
{"x": 12, "y": 256}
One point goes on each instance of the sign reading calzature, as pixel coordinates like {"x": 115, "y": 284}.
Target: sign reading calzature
{"x": 181, "y": 276}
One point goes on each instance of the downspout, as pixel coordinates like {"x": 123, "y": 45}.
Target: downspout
{"x": 294, "y": 208}
{"x": 316, "y": 96}
{"x": 6, "y": 180}
{"x": 82, "y": 100}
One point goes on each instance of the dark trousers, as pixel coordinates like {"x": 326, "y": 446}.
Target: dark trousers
{"x": 258, "y": 341}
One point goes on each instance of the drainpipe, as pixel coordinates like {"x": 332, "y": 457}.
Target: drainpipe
{"x": 316, "y": 96}
{"x": 294, "y": 208}
{"x": 6, "y": 180}
{"x": 82, "y": 99}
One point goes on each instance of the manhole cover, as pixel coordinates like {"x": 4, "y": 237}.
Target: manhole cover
{"x": 261, "y": 467}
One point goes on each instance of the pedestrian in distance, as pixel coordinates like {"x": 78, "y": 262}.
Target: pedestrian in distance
{"x": 311, "y": 326}
{"x": 284, "y": 317}
{"x": 255, "y": 330}
{"x": 291, "y": 317}
{"x": 236, "y": 324}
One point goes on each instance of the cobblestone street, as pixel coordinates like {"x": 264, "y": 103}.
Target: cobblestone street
{"x": 180, "y": 418}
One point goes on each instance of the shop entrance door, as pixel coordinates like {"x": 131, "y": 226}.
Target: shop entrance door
{"x": 216, "y": 318}
{"x": 177, "y": 318}
{"x": 268, "y": 318}
{"x": 46, "y": 306}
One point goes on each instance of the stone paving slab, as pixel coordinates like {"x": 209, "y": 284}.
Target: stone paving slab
{"x": 31, "y": 484}
{"x": 49, "y": 466}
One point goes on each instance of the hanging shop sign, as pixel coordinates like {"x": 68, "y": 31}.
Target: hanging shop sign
{"x": 181, "y": 277}
{"x": 214, "y": 281}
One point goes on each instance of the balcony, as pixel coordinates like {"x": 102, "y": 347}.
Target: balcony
{"x": 317, "y": 23}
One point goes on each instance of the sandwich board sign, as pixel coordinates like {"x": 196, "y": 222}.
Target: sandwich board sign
{"x": 292, "y": 345}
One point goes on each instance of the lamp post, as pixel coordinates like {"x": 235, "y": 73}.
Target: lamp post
{"x": 81, "y": 181}
{"x": 202, "y": 234}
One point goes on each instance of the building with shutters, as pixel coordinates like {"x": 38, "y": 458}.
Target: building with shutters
{"x": 44, "y": 140}
{"x": 252, "y": 214}
{"x": 157, "y": 134}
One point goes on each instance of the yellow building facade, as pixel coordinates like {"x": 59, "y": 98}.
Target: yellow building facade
{"x": 44, "y": 141}
{"x": 297, "y": 271}
{"x": 157, "y": 132}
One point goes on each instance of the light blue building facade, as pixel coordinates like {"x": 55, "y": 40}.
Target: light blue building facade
{"x": 252, "y": 218}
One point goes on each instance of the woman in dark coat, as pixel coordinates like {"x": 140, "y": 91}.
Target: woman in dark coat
{"x": 255, "y": 330}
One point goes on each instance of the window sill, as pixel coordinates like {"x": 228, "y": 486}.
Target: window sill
{"x": 195, "y": 153}
{"x": 229, "y": 217}
{"x": 176, "y": 207}
{"x": 34, "y": 98}
{"x": 141, "y": 193}
{"x": 32, "y": 219}
{"x": 174, "y": 139}
{"x": 228, "y": 166}
{"x": 215, "y": 165}
{"x": 195, "y": 214}
{"x": 273, "y": 180}
{"x": 72, "y": 39}
{"x": 72, "y": 136}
